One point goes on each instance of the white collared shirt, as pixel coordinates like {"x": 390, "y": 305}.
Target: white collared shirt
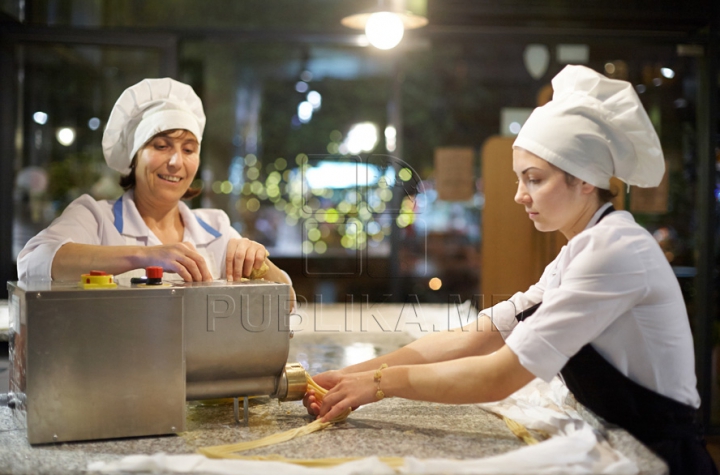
{"x": 610, "y": 286}
{"x": 118, "y": 223}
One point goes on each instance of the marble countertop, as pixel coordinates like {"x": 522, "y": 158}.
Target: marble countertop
{"x": 392, "y": 427}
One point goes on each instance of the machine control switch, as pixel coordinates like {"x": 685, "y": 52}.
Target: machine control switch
{"x": 97, "y": 279}
{"x": 154, "y": 275}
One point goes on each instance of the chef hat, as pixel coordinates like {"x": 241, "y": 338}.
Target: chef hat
{"x": 144, "y": 110}
{"x": 595, "y": 128}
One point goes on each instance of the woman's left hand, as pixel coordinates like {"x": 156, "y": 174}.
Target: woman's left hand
{"x": 243, "y": 255}
{"x": 351, "y": 391}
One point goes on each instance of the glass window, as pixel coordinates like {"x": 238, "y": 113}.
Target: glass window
{"x": 67, "y": 93}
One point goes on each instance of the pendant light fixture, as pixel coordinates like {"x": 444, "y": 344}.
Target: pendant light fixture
{"x": 386, "y": 24}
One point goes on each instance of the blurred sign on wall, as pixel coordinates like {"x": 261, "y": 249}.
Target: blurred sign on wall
{"x": 455, "y": 173}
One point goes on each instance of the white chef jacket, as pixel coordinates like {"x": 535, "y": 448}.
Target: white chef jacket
{"x": 118, "y": 223}
{"x": 610, "y": 286}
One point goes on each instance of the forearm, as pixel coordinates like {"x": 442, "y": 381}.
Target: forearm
{"x": 72, "y": 260}
{"x": 463, "y": 381}
{"x": 477, "y": 338}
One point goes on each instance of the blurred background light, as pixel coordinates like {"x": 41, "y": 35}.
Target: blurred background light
{"x": 390, "y": 138}
{"x": 405, "y": 174}
{"x": 40, "y": 117}
{"x": 667, "y": 72}
{"x": 362, "y": 41}
{"x": 315, "y": 99}
{"x": 305, "y": 111}
{"x": 301, "y": 86}
{"x": 66, "y": 136}
{"x": 253, "y": 173}
{"x": 94, "y": 123}
{"x": 253, "y": 205}
{"x": 361, "y": 137}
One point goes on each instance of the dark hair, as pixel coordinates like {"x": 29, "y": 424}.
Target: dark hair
{"x": 128, "y": 181}
{"x": 604, "y": 195}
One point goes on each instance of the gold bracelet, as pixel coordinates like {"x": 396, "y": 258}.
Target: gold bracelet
{"x": 379, "y": 394}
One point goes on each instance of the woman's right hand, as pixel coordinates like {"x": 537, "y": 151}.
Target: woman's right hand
{"x": 181, "y": 258}
{"x": 327, "y": 380}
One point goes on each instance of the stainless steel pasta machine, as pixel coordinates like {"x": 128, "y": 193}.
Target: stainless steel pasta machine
{"x": 97, "y": 360}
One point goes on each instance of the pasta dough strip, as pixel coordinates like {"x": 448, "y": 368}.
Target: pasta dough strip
{"x": 222, "y": 451}
{"x": 520, "y": 431}
{"x": 229, "y": 451}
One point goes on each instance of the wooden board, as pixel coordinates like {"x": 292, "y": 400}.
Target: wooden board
{"x": 455, "y": 173}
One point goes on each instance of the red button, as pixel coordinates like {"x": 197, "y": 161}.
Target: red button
{"x": 98, "y": 272}
{"x": 154, "y": 272}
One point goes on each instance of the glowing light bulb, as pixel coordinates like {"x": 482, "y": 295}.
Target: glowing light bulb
{"x": 384, "y": 30}
{"x": 66, "y": 136}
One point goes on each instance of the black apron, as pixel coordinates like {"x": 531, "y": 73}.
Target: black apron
{"x": 671, "y": 429}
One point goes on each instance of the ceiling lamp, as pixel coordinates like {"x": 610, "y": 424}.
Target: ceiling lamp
{"x": 384, "y": 27}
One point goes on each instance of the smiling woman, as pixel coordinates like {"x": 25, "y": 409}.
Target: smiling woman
{"x": 153, "y": 138}
{"x": 161, "y": 173}
{"x": 178, "y": 142}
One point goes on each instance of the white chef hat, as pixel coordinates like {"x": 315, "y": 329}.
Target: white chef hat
{"x": 144, "y": 110}
{"x": 595, "y": 128}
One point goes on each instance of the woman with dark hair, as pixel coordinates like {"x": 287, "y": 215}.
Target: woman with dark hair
{"x": 153, "y": 138}
{"x": 607, "y": 313}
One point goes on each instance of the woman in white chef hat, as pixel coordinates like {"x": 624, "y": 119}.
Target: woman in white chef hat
{"x": 153, "y": 138}
{"x": 607, "y": 313}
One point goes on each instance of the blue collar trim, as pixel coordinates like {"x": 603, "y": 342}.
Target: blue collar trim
{"x": 118, "y": 214}
{"x": 208, "y": 228}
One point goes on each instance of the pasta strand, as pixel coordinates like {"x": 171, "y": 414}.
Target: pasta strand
{"x": 230, "y": 451}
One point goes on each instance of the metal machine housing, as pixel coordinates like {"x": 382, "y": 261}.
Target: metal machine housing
{"x": 108, "y": 363}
